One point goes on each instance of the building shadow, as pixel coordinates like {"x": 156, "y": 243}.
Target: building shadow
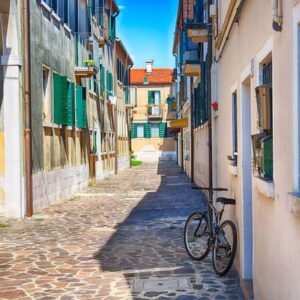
{"x": 149, "y": 243}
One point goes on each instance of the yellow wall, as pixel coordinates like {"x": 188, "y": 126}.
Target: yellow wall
{"x": 159, "y": 144}
{"x": 140, "y": 111}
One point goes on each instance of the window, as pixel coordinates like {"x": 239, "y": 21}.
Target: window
{"x": 234, "y": 129}
{"x": 154, "y": 130}
{"x": 140, "y": 130}
{"x": 66, "y": 11}
{"x": 63, "y": 100}
{"x": 47, "y": 109}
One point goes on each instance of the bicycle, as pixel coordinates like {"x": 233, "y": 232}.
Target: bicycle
{"x": 204, "y": 230}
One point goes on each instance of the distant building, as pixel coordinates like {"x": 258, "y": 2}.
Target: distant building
{"x": 152, "y": 94}
{"x": 123, "y": 63}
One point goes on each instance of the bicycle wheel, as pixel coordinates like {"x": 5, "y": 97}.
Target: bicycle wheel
{"x": 197, "y": 236}
{"x": 225, "y": 248}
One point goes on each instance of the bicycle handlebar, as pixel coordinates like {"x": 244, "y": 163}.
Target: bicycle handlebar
{"x": 209, "y": 189}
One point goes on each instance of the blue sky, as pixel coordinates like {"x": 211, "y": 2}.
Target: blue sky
{"x": 146, "y": 28}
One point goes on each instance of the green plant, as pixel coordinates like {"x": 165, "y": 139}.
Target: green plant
{"x": 135, "y": 163}
{"x": 89, "y": 62}
{"x": 3, "y": 225}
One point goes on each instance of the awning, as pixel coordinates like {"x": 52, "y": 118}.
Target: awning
{"x": 179, "y": 123}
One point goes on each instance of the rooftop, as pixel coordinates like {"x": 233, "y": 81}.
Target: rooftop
{"x": 157, "y": 76}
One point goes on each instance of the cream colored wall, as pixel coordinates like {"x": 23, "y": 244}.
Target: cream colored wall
{"x": 201, "y": 169}
{"x": 159, "y": 144}
{"x": 140, "y": 112}
{"x": 276, "y": 268}
{"x": 187, "y": 140}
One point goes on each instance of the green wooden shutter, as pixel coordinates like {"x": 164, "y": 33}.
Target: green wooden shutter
{"x": 102, "y": 80}
{"x": 57, "y": 114}
{"x": 133, "y": 131}
{"x": 127, "y": 99}
{"x": 64, "y": 99}
{"x": 81, "y": 107}
{"x": 150, "y": 98}
{"x": 71, "y": 104}
{"x": 107, "y": 80}
{"x": 84, "y": 115}
{"x": 147, "y": 130}
{"x": 162, "y": 130}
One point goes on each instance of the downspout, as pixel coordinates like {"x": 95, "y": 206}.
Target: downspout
{"x": 27, "y": 110}
{"x": 192, "y": 128}
{"x": 177, "y": 102}
{"x": 277, "y": 15}
{"x": 128, "y": 116}
{"x": 209, "y": 64}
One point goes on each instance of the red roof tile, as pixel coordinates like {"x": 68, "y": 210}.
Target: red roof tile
{"x": 158, "y": 76}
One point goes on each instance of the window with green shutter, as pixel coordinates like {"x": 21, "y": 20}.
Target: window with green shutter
{"x": 67, "y": 102}
{"x": 81, "y": 118}
{"x": 102, "y": 80}
{"x": 133, "y": 131}
{"x": 150, "y": 98}
{"x": 162, "y": 130}
{"x": 127, "y": 96}
{"x": 57, "y": 111}
{"x": 147, "y": 130}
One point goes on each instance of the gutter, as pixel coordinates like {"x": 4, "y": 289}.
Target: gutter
{"x": 27, "y": 110}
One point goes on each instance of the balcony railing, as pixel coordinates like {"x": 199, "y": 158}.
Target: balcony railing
{"x": 155, "y": 112}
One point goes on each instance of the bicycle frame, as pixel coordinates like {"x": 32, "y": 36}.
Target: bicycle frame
{"x": 214, "y": 220}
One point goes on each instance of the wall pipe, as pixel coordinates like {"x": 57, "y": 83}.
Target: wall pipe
{"x": 27, "y": 110}
{"x": 209, "y": 64}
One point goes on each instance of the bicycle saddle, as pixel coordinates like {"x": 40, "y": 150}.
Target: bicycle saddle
{"x": 226, "y": 200}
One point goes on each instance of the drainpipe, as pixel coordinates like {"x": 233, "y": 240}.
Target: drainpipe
{"x": 277, "y": 15}
{"x": 209, "y": 64}
{"x": 27, "y": 110}
{"x": 192, "y": 128}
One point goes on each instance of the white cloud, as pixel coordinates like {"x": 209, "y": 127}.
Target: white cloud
{"x": 121, "y": 7}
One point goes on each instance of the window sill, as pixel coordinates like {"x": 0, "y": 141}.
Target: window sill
{"x": 265, "y": 187}
{"x": 67, "y": 28}
{"x": 46, "y": 6}
{"x": 47, "y": 125}
{"x": 294, "y": 203}
{"x": 233, "y": 170}
{"x": 55, "y": 16}
{"x": 56, "y": 126}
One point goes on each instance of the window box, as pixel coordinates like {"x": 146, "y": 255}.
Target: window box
{"x": 265, "y": 187}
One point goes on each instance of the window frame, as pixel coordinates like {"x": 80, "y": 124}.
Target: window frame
{"x": 234, "y": 127}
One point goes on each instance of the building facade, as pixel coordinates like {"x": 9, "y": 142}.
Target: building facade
{"x": 73, "y": 117}
{"x": 152, "y": 94}
{"x": 123, "y": 63}
{"x": 11, "y": 108}
{"x": 253, "y": 122}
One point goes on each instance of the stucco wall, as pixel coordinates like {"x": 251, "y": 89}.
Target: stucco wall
{"x": 276, "y": 242}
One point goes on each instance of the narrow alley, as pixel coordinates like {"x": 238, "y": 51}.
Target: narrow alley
{"x": 120, "y": 239}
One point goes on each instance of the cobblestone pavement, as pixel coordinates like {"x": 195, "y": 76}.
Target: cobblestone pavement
{"x": 122, "y": 239}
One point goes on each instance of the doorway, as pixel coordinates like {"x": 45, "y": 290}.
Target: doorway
{"x": 247, "y": 234}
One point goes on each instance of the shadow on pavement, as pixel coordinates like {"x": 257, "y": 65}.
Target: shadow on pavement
{"x": 149, "y": 243}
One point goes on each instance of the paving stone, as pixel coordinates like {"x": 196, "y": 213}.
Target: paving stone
{"x": 126, "y": 228}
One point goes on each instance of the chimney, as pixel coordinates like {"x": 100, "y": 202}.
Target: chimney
{"x": 149, "y": 64}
